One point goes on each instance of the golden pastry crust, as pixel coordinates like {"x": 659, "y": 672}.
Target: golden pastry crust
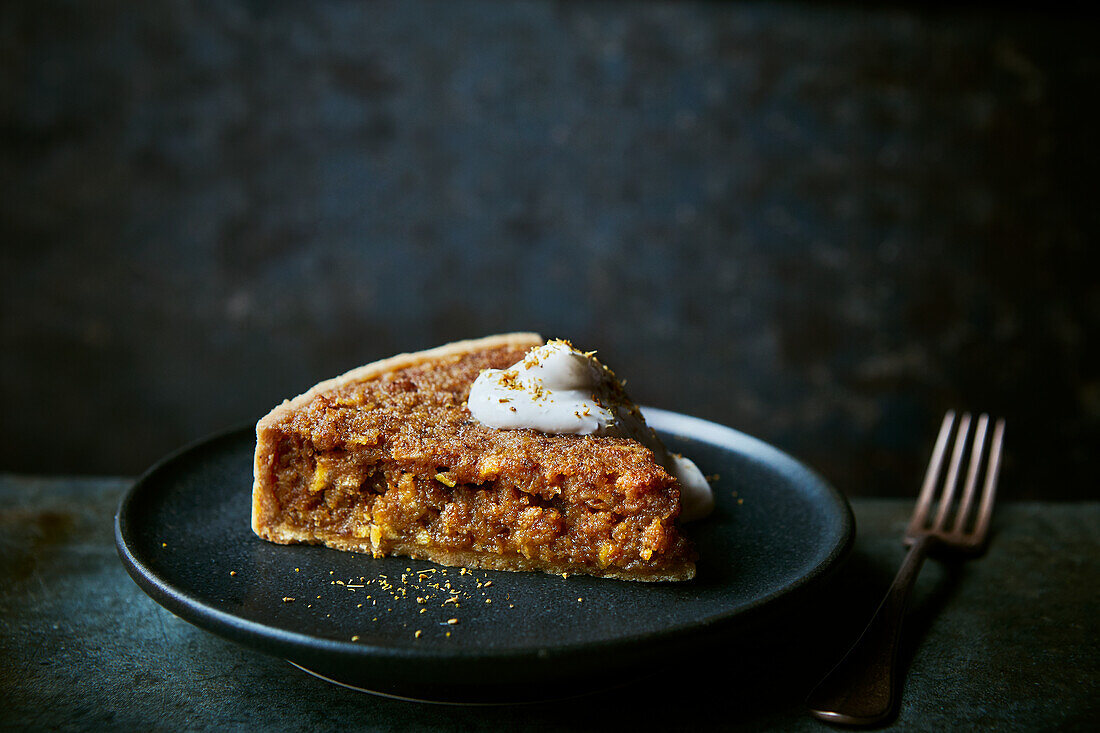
{"x": 386, "y": 459}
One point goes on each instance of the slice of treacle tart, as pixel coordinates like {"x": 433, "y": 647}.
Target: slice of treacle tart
{"x": 388, "y": 459}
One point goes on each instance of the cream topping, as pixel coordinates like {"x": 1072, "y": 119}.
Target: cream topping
{"x": 557, "y": 389}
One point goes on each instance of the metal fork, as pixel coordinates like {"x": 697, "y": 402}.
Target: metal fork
{"x": 864, "y": 688}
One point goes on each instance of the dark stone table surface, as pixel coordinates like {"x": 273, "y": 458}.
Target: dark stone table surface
{"x": 1007, "y": 642}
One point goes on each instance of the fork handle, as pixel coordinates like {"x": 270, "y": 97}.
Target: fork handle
{"x": 864, "y": 689}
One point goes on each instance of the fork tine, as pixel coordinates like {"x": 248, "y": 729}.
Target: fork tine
{"x": 928, "y": 489}
{"x": 989, "y": 491}
{"x": 951, "y": 483}
{"x": 972, "y": 474}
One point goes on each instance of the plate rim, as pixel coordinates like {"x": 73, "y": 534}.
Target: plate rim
{"x": 293, "y": 644}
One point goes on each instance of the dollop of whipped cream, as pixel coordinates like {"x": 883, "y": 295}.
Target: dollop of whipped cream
{"x": 557, "y": 389}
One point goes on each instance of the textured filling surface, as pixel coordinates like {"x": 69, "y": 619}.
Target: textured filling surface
{"x": 395, "y": 464}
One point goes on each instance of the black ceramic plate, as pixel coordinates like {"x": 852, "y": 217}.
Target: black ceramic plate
{"x": 183, "y": 534}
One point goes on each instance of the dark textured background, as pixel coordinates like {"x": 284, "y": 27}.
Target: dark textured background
{"x": 820, "y": 225}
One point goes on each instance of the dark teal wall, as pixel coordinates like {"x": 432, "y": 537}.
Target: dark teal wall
{"x": 820, "y": 225}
